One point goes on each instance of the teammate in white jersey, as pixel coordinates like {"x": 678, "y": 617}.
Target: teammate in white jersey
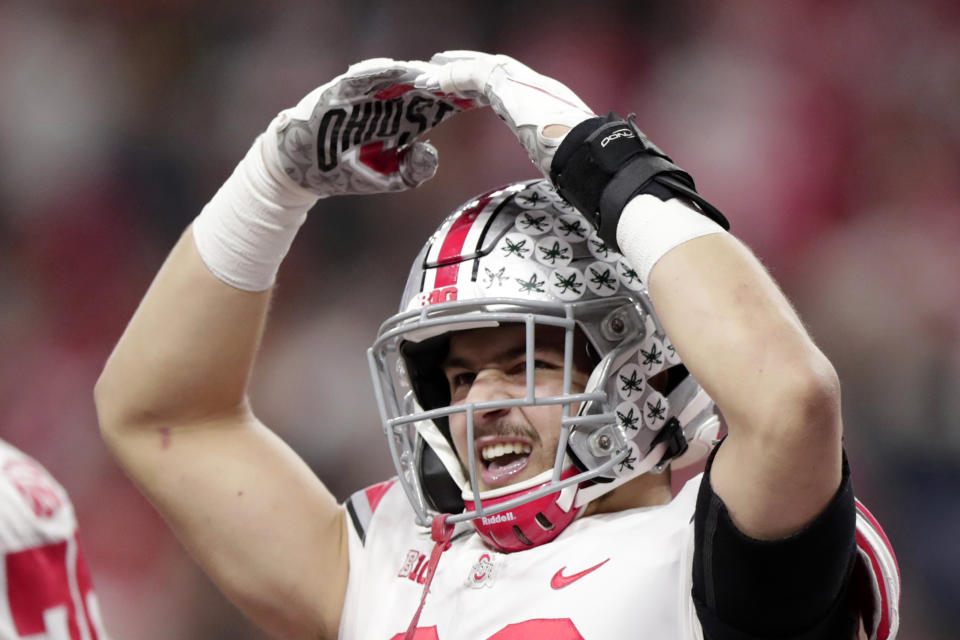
{"x": 531, "y": 396}
{"x": 47, "y": 592}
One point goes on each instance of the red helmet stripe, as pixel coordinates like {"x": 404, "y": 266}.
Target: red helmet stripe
{"x": 452, "y": 247}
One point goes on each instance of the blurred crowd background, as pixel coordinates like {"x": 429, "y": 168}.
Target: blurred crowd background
{"x": 829, "y": 133}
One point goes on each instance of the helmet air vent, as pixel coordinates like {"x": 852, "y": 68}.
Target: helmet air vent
{"x": 544, "y": 523}
{"x": 521, "y": 537}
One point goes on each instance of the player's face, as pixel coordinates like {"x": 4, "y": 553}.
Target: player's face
{"x": 515, "y": 443}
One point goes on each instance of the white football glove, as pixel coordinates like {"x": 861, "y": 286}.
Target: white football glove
{"x": 527, "y": 101}
{"x": 359, "y": 133}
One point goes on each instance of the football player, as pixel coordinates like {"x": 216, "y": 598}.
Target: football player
{"x": 561, "y": 343}
{"x": 47, "y": 591}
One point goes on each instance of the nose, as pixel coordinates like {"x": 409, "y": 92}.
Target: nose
{"x": 490, "y": 385}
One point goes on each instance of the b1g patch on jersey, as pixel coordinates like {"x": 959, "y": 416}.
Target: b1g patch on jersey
{"x": 482, "y": 573}
{"x": 415, "y": 566}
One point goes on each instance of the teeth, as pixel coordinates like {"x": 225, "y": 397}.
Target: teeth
{"x": 496, "y": 450}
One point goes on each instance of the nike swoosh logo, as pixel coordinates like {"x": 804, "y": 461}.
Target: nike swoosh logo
{"x": 559, "y": 581}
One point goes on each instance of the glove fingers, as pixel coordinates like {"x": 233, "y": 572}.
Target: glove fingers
{"x": 384, "y": 67}
{"x": 370, "y": 65}
{"x": 369, "y": 76}
{"x": 359, "y": 80}
{"x": 539, "y": 83}
{"x": 453, "y": 55}
{"x": 463, "y": 78}
{"x": 525, "y": 100}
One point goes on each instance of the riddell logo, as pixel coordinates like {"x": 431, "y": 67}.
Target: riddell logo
{"x": 619, "y": 133}
{"x": 498, "y": 518}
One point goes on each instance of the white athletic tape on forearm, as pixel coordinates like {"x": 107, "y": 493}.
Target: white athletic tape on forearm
{"x": 246, "y": 229}
{"x": 650, "y": 227}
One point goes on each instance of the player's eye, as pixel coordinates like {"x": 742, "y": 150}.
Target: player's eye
{"x": 462, "y": 379}
{"x": 521, "y": 366}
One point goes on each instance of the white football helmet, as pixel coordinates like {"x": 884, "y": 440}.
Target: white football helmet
{"x": 521, "y": 254}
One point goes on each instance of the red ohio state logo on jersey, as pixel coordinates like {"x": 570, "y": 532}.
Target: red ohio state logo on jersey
{"x": 482, "y": 572}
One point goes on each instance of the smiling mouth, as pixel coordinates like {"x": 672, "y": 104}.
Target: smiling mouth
{"x": 501, "y": 461}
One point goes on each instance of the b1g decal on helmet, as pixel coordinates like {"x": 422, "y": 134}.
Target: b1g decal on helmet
{"x": 436, "y": 296}
{"x": 521, "y": 254}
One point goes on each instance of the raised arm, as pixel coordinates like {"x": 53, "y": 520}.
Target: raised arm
{"x": 172, "y": 397}
{"x": 739, "y": 336}
{"x": 173, "y": 410}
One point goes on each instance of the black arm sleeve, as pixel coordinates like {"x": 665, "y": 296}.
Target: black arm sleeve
{"x": 789, "y": 589}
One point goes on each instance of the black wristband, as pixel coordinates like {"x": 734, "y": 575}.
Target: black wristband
{"x": 603, "y": 162}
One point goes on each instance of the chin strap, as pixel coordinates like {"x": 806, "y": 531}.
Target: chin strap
{"x": 441, "y": 532}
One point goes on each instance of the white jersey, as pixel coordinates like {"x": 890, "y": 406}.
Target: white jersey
{"x": 47, "y": 594}
{"x": 618, "y": 575}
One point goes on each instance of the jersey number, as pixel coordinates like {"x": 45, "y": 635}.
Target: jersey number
{"x": 43, "y": 591}
{"x": 540, "y": 629}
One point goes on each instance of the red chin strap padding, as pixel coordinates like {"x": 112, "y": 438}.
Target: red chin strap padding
{"x": 528, "y": 525}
